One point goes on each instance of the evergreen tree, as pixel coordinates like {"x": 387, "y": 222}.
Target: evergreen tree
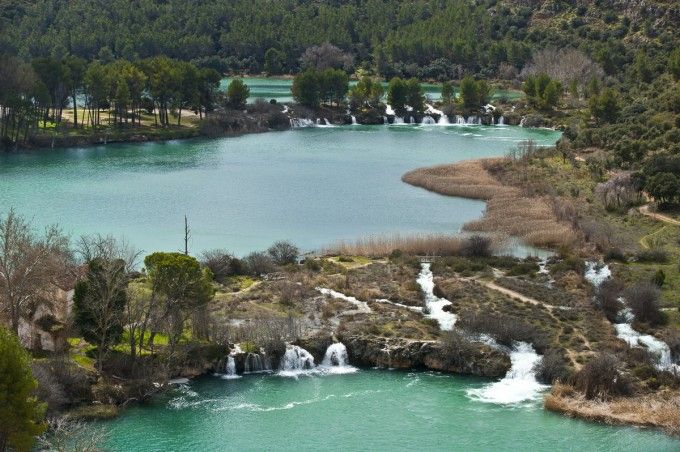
{"x": 20, "y": 412}
{"x": 306, "y": 89}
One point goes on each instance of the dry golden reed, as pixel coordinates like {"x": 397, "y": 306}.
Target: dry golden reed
{"x": 509, "y": 211}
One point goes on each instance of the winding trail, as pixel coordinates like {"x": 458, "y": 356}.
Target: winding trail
{"x": 644, "y": 210}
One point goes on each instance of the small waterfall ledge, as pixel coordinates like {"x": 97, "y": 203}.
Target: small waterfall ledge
{"x": 519, "y": 384}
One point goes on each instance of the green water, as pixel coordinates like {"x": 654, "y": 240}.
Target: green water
{"x": 279, "y": 89}
{"x": 371, "y": 410}
{"x": 312, "y": 186}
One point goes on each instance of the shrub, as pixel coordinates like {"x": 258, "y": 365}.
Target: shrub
{"x": 652, "y": 256}
{"x": 312, "y": 264}
{"x": 643, "y": 300}
{"x": 222, "y": 264}
{"x": 552, "y": 367}
{"x": 659, "y": 278}
{"x": 600, "y": 378}
{"x": 456, "y": 349}
{"x": 259, "y": 263}
{"x": 607, "y": 298}
{"x": 503, "y": 328}
{"x": 477, "y": 246}
{"x": 615, "y": 254}
{"x": 283, "y": 253}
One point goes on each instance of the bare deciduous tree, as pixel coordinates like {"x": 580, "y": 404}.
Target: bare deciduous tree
{"x": 326, "y": 56}
{"x": 565, "y": 65}
{"x": 29, "y": 265}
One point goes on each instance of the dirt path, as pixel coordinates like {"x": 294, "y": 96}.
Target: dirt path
{"x": 644, "y": 210}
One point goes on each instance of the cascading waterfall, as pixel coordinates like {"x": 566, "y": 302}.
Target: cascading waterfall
{"x": 256, "y": 363}
{"x": 362, "y": 306}
{"x": 597, "y": 273}
{"x": 336, "y": 360}
{"x": 473, "y": 121}
{"x": 230, "y": 369}
{"x": 658, "y": 348}
{"x": 428, "y": 120}
{"x": 443, "y": 120}
{"x": 296, "y": 361}
{"x": 460, "y": 120}
{"x": 327, "y": 122}
{"x": 354, "y": 120}
{"x": 318, "y": 121}
{"x": 501, "y": 121}
{"x": 298, "y": 123}
{"x": 519, "y": 384}
{"x": 411, "y": 120}
{"x": 386, "y": 121}
{"x": 434, "y": 304}
{"x": 398, "y": 120}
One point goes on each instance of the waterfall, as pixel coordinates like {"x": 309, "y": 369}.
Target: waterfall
{"x": 296, "y": 361}
{"x": 428, "y": 120}
{"x": 298, "y": 123}
{"x": 398, "y": 120}
{"x": 318, "y": 121}
{"x": 523, "y": 121}
{"x": 230, "y": 369}
{"x": 411, "y": 120}
{"x": 354, "y": 120}
{"x": 257, "y": 363}
{"x": 501, "y": 121}
{"x": 386, "y": 121}
{"x": 389, "y": 111}
{"x": 519, "y": 384}
{"x": 327, "y": 122}
{"x": 473, "y": 121}
{"x": 443, "y": 120}
{"x": 460, "y": 120}
{"x": 596, "y": 273}
{"x": 434, "y": 304}
{"x": 659, "y": 349}
{"x": 336, "y": 360}
{"x": 362, "y": 306}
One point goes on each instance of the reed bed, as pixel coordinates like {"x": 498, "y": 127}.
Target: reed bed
{"x": 508, "y": 211}
{"x": 381, "y": 246}
{"x": 651, "y": 410}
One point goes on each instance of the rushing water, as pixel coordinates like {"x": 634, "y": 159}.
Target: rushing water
{"x": 311, "y": 186}
{"x": 366, "y": 410}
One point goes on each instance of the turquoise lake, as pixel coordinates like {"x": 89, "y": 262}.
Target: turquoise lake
{"x": 371, "y": 410}
{"x": 312, "y": 186}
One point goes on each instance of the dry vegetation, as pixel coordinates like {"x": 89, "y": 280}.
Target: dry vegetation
{"x": 661, "y": 409}
{"x": 510, "y": 210}
{"x": 378, "y": 246}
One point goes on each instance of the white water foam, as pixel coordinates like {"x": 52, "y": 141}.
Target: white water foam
{"x": 656, "y": 347}
{"x": 597, "y": 273}
{"x": 296, "y": 361}
{"x": 336, "y": 360}
{"x": 519, "y": 385}
{"x": 361, "y": 305}
{"x": 230, "y": 369}
{"x": 435, "y": 304}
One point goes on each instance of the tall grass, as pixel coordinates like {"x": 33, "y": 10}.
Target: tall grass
{"x": 381, "y": 246}
{"x": 509, "y": 209}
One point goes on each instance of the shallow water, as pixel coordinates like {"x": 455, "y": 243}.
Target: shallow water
{"x": 366, "y": 410}
{"x": 313, "y": 186}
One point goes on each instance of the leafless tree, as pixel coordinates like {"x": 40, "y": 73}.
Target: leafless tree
{"x": 64, "y": 434}
{"x": 565, "y": 65}
{"x": 619, "y": 191}
{"x": 29, "y": 265}
{"x": 326, "y": 56}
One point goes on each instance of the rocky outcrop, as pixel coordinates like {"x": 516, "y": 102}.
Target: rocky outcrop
{"x": 394, "y": 353}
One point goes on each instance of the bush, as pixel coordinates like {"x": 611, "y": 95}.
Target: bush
{"x": 652, "y": 256}
{"x": 477, "y": 246}
{"x": 503, "y": 328}
{"x": 312, "y": 264}
{"x": 615, "y": 254}
{"x": 456, "y": 349}
{"x": 552, "y": 368}
{"x": 600, "y": 378}
{"x": 643, "y": 301}
{"x": 222, "y": 264}
{"x": 607, "y": 298}
{"x": 260, "y": 263}
{"x": 659, "y": 278}
{"x": 283, "y": 253}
